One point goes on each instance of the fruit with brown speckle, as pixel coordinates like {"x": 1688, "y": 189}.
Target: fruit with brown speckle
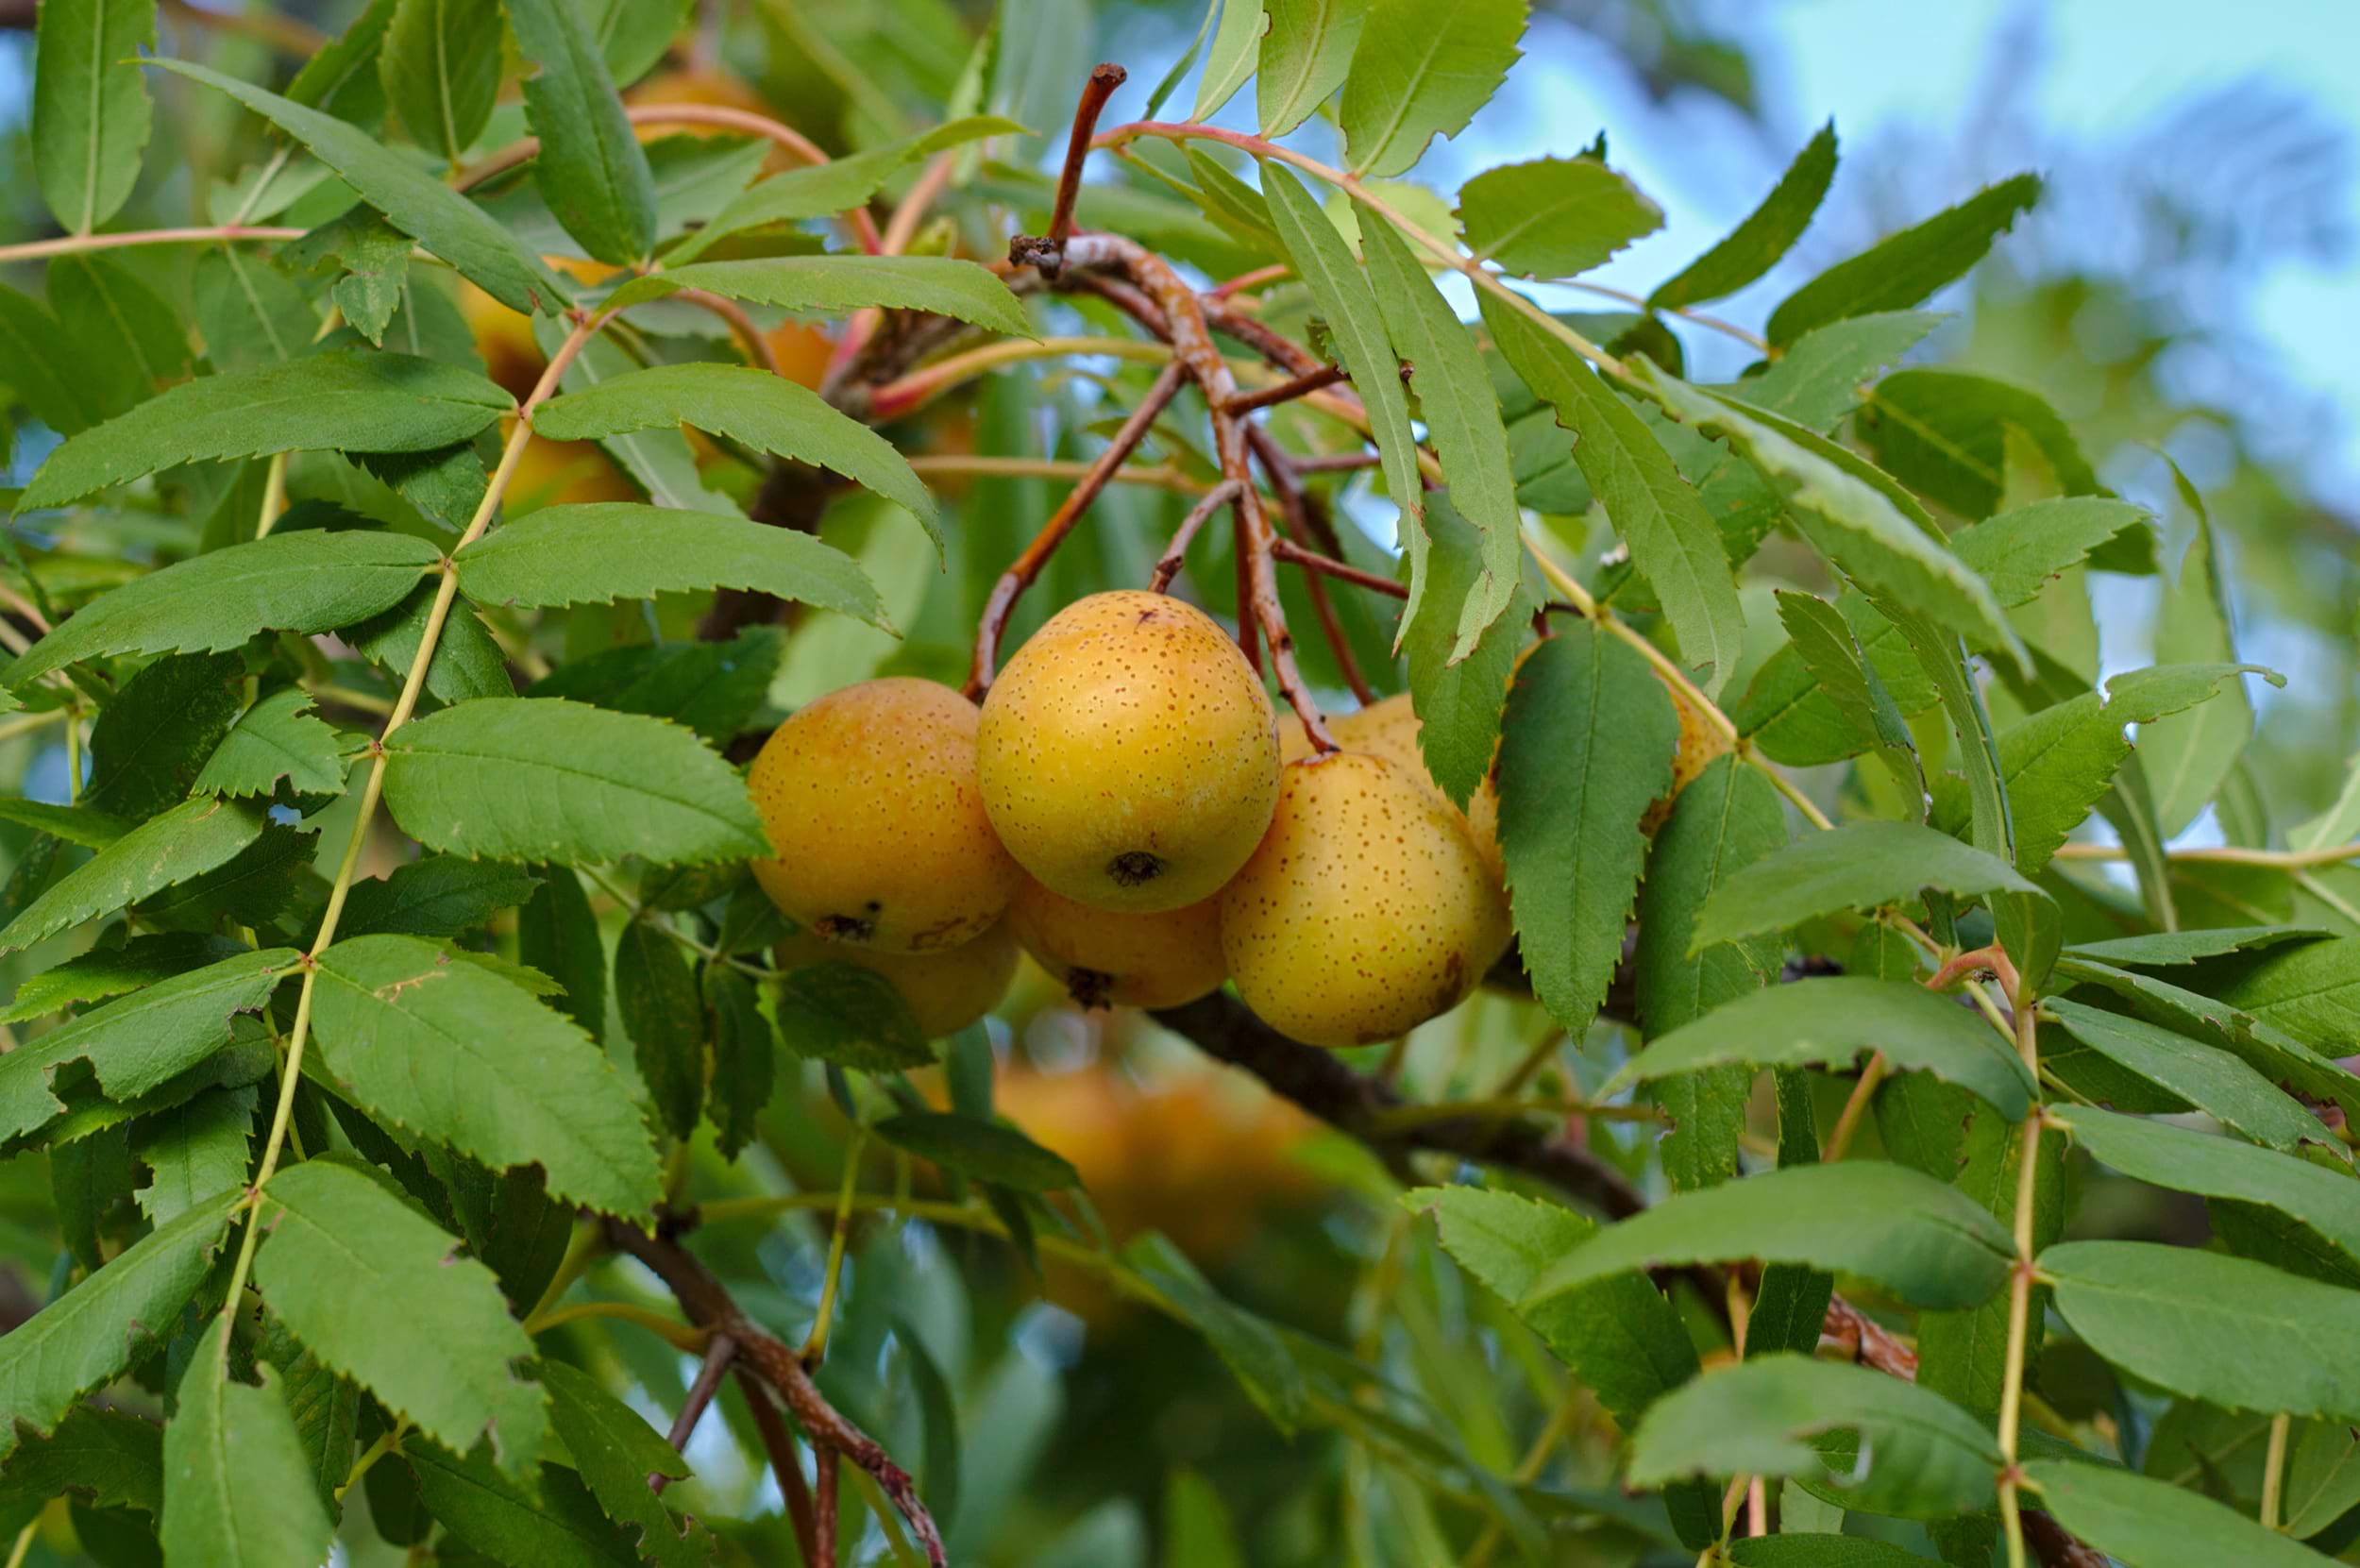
{"x": 1117, "y": 958}
{"x": 1365, "y": 911}
{"x": 870, "y": 798}
{"x": 1389, "y": 728}
{"x": 946, "y": 992}
{"x": 1128, "y": 753}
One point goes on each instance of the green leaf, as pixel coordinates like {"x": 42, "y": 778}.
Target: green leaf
{"x": 84, "y": 826}
{"x": 616, "y": 1451}
{"x": 590, "y": 167}
{"x": 1858, "y": 866}
{"x": 1830, "y": 1021}
{"x": 766, "y": 411}
{"x": 745, "y": 1058}
{"x": 114, "y": 1457}
{"x": 2204, "y": 1078}
{"x": 1619, "y": 1335}
{"x": 1253, "y": 1350}
{"x": 184, "y": 842}
{"x": 851, "y": 1017}
{"x": 2311, "y": 990}
{"x": 467, "y": 663}
{"x": 340, "y": 1264}
{"x": 2235, "y": 1332}
{"x": 2172, "y": 949}
{"x": 90, "y": 108}
{"x": 1900, "y": 271}
{"x": 1853, "y": 521}
{"x": 437, "y": 895}
{"x": 342, "y": 77}
{"x": 2129, "y": 1517}
{"x": 151, "y": 742}
{"x": 1927, "y": 1243}
{"x": 108, "y": 971}
{"x": 656, "y": 994}
{"x": 1305, "y": 57}
{"x": 658, "y": 459}
{"x": 464, "y": 1057}
{"x": 249, "y": 313}
{"x": 1819, "y": 635}
{"x": 2188, "y": 758}
{"x": 550, "y": 1520}
{"x": 1348, "y": 303}
{"x": 713, "y": 688}
{"x": 1420, "y": 71}
{"x": 985, "y": 1151}
{"x": 1913, "y": 1454}
{"x": 34, "y": 346}
{"x": 938, "y": 285}
{"x": 440, "y": 62}
{"x": 835, "y": 186}
{"x": 1236, "y": 46}
{"x": 276, "y": 738}
{"x": 557, "y": 933}
{"x": 253, "y": 888}
{"x": 1728, "y": 818}
{"x": 340, "y": 398}
{"x": 1553, "y": 217}
{"x": 1787, "y": 1549}
{"x": 241, "y": 1494}
{"x": 88, "y": 1336}
{"x": 1458, "y": 706}
{"x": 2316, "y": 1200}
{"x": 193, "y": 1151}
{"x": 1585, "y": 748}
{"x": 1463, "y": 419}
{"x": 130, "y": 340}
{"x": 422, "y": 207}
{"x": 1769, "y": 231}
{"x": 528, "y": 777}
{"x": 307, "y": 582}
{"x": 1944, "y": 433}
{"x": 370, "y": 260}
{"x": 1673, "y": 539}
{"x": 599, "y": 551}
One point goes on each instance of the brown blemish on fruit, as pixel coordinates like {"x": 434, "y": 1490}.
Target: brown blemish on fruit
{"x": 1134, "y": 869}
{"x": 1089, "y": 988}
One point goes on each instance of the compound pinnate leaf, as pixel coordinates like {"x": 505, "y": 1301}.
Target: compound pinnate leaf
{"x": 1915, "y": 1453}
{"x": 342, "y": 399}
{"x": 753, "y": 406}
{"x": 185, "y": 842}
{"x": 1420, "y": 71}
{"x": 90, "y": 108}
{"x": 2137, "y": 1520}
{"x": 1828, "y": 1021}
{"x": 90, "y": 1335}
{"x": 1586, "y": 744}
{"x": 1769, "y": 231}
{"x": 1673, "y": 538}
{"x": 590, "y": 167}
{"x": 422, "y": 207}
{"x": 340, "y": 1265}
{"x": 598, "y": 552}
{"x": 2226, "y": 1330}
{"x": 1899, "y": 272}
{"x": 463, "y": 1057}
{"x": 1930, "y": 1244}
{"x": 537, "y": 778}
{"x": 241, "y": 1494}
{"x": 1553, "y": 217}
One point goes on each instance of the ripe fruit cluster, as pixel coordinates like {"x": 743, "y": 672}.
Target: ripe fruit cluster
{"x": 1126, "y": 808}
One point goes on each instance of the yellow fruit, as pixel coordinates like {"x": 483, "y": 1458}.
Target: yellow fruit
{"x": 1389, "y": 728}
{"x": 1113, "y": 958}
{"x": 871, "y": 799}
{"x": 1128, "y": 753}
{"x": 1365, "y": 911}
{"x": 946, "y": 992}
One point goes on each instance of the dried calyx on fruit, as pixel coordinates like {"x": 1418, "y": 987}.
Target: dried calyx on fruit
{"x": 1115, "y": 958}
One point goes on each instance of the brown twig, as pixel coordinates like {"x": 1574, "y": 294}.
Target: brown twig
{"x": 1295, "y": 512}
{"x": 708, "y": 1304}
{"x": 823, "y": 1494}
{"x": 779, "y": 1444}
{"x": 720, "y": 1351}
{"x": 1286, "y": 391}
{"x": 750, "y": 337}
{"x": 1254, "y": 279}
{"x": 1101, "y": 87}
{"x": 1169, "y": 566}
{"x": 1287, "y": 549}
{"x": 1329, "y": 462}
{"x": 1028, "y": 565}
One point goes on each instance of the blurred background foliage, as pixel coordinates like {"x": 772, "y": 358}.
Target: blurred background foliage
{"x": 1059, "y": 1423}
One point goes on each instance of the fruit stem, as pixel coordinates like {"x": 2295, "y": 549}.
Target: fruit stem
{"x": 1168, "y": 567}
